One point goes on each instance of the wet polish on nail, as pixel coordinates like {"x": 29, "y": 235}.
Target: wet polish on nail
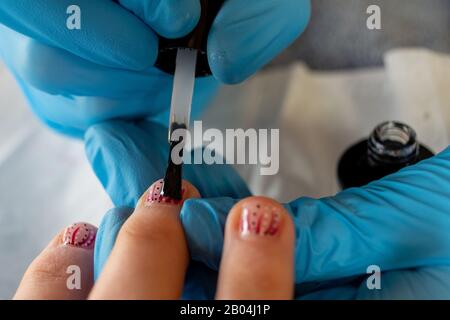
{"x": 260, "y": 220}
{"x": 80, "y": 235}
{"x": 155, "y": 195}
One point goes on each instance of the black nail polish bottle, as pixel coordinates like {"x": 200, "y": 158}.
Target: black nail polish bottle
{"x": 391, "y": 147}
{"x": 197, "y": 39}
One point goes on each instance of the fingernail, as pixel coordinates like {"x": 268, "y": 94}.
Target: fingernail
{"x": 259, "y": 219}
{"x": 155, "y": 195}
{"x": 81, "y": 235}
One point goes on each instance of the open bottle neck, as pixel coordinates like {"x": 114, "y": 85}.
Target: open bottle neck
{"x": 392, "y": 143}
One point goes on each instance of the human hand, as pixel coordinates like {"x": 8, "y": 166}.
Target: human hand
{"x": 399, "y": 223}
{"x": 76, "y": 78}
{"x": 247, "y": 35}
{"x": 127, "y": 157}
{"x": 258, "y": 260}
{"x": 73, "y": 79}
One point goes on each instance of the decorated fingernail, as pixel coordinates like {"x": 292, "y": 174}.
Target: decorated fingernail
{"x": 258, "y": 219}
{"x": 155, "y": 195}
{"x": 80, "y": 235}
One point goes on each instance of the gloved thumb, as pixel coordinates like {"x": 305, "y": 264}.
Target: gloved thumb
{"x": 204, "y": 222}
{"x": 106, "y": 236}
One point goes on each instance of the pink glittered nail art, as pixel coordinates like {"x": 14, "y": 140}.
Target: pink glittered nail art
{"x": 155, "y": 195}
{"x": 260, "y": 220}
{"x": 80, "y": 235}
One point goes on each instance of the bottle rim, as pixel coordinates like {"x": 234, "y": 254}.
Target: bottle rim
{"x": 392, "y": 142}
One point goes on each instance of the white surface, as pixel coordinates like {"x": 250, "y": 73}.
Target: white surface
{"x": 46, "y": 183}
{"x": 321, "y": 114}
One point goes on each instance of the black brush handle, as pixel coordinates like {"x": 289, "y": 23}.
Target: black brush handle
{"x": 174, "y": 173}
{"x": 197, "y": 39}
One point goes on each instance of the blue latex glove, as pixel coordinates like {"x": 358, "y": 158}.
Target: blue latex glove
{"x": 77, "y": 78}
{"x": 128, "y": 158}
{"x": 399, "y": 223}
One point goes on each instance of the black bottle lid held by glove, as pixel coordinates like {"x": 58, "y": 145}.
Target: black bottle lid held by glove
{"x": 391, "y": 147}
{"x": 197, "y": 39}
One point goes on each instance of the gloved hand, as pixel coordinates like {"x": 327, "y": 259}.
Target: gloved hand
{"x": 76, "y": 78}
{"x": 399, "y": 223}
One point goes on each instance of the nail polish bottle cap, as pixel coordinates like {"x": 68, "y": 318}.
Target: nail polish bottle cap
{"x": 197, "y": 39}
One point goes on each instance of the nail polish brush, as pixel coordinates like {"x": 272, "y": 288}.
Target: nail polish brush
{"x": 186, "y": 58}
{"x": 180, "y": 114}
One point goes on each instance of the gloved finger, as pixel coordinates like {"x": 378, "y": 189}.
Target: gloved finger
{"x": 398, "y": 222}
{"x": 109, "y": 35}
{"x": 64, "y": 269}
{"x": 60, "y": 72}
{"x": 258, "y": 255}
{"x": 106, "y": 236}
{"x": 204, "y": 224}
{"x": 64, "y": 98}
{"x": 245, "y": 36}
{"x": 152, "y": 244}
{"x": 74, "y": 115}
{"x": 126, "y": 157}
{"x": 169, "y": 18}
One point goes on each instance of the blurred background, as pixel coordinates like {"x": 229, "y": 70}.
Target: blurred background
{"x": 327, "y": 91}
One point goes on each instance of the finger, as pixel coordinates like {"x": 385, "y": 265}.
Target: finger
{"x": 258, "y": 257}
{"x": 169, "y": 18}
{"x": 109, "y": 34}
{"x": 246, "y": 36}
{"x": 150, "y": 257}
{"x": 64, "y": 270}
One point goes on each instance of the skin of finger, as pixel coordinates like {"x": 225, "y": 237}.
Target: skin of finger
{"x": 257, "y": 267}
{"x": 47, "y": 276}
{"x": 150, "y": 257}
